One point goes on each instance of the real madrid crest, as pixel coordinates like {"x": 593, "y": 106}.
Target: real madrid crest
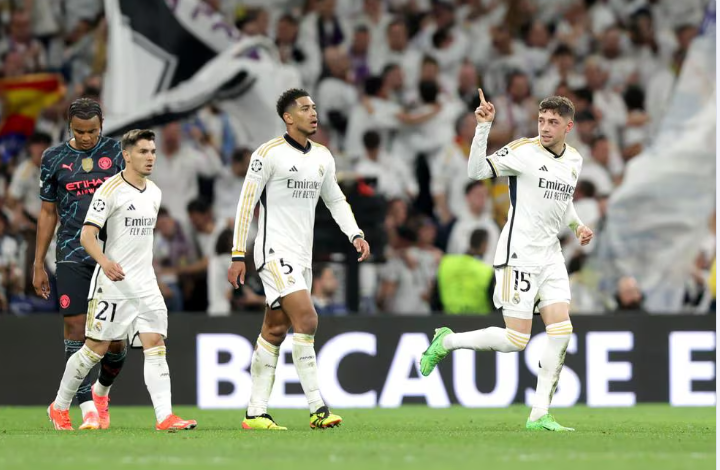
{"x": 87, "y": 164}
{"x": 574, "y": 174}
{"x": 516, "y": 298}
{"x": 321, "y": 170}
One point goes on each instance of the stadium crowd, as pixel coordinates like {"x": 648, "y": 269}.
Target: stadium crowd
{"x": 396, "y": 86}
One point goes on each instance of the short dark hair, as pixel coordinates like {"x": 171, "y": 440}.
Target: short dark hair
{"x": 85, "y": 109}
{"x": 318, "y": 270}
{"x": 39, "y": 138}
{"x": 136, "y": 135}
{"x": 199, "y": 205}
{"x": 224, "y": 243}
{"x": 371, "y": 140}
{"x": 287, "y": 99}
{"x": 162, "y": 212}
{"x": 429, "y": 91}
{"x": 477, "y": 238}
{"x": 560, "y": 104}
{"x": 471, "y": 185}
{"x": 240, "y": 154}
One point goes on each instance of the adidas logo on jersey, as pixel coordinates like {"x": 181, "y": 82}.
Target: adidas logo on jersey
{"x": 543, "y": 168}
{"x": 293, "y": 168}
{"x": 131, "y": 207}
{"x": 514, "y": 256}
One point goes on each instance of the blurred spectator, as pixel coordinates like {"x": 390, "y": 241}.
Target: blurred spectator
{"x": 516, "y": 112}
{"x": 449, "y": 171}
{"x": 171, "y": 251}
{"x": 324, "y": 288}
{"x": 20, "y": 40}
{"x": 396, "y": 50}
{"x": 178, "y": 167}
{"x": 391, "y": 177}
{"x": 338, "y": 92}
{"x": 629, "y": 297}
{"x": 219, "y": 290}
{"x": 466, "y": 283}
{"x": 359, "y": 54}
{"x": 303, "y": 56}
{"x": 324, "y": 27}
{"x": 203, "y": 233}
{"x": 406, "y": 285}
{"x": 24, "y": 202}
{"x": 476, "y": 217}
{"x": 228, "y": 186}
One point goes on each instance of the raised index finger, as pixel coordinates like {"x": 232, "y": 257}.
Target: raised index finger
{"x": 482, "y": 96}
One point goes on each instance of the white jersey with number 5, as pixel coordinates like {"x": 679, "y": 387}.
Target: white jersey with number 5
{"x": 126, "y": 218}
{"x": 541, "y": 188}
{"x": 288, "y": 180}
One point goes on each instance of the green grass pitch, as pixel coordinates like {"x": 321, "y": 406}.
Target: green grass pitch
{"x": 655, "y": 437}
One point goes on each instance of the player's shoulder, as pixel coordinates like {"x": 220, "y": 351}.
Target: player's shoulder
{"x": 320, "y": 148}
{"x": 110, "y": 186}
{"x": 153, "y": 188}
{"x": 265, "y": 149}
{"x": 517, "y": 146}
{"x": 573, "y": 152}
{"x": 56, "y": 151}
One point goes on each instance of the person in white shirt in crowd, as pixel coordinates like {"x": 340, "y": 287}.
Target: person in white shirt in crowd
{"x": 324, "y": 27}
{"x": 517, "y": 111}
{"x": 505, "y": 56}
{"x": 376, "y": 19}
{"x": 219, "y": 291}
{"x": 178, "y": 166}
{"x": 397, "y": 50}
{"x": 538, "y": 44}
{"x": 337, "y": 94}
{"x": 406, "y": 280}
{"x": 305, "y": 57}
{"x": 228, "y": 185}
{"x": 23, "y": 201}
{"x": 477, "y": 216}
{"x": 562, "y": 69}
{"x": 393, "y": 179}
{"x": 447, "y": 181}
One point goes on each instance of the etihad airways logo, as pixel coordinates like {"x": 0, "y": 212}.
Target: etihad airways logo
{"x": 83, "y": 187}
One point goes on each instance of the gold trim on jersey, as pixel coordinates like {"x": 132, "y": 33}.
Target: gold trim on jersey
{"x": 315, "y": 144}
{"x": 110, "y": 185}
{"x": 518, "y": 143}
{"x": 273, "y": 267}
{"x": 264, "y": 149}
{"x": 243, "y": 216}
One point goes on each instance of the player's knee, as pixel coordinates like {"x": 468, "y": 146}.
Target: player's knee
{"x": 306, "y": 323}
{"x": 275, "y": 334}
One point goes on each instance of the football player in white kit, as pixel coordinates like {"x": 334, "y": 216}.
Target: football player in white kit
{"x": 288, "y": 175}
{"x": 124, "y": 296}
{"x": 529, "y": 265}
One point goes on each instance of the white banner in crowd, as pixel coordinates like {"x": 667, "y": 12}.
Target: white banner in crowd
{"x": 168, "y": 58}
{"x": 660, "y": 213}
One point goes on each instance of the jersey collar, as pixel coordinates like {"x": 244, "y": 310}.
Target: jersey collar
{"x": 555, "y": 155}
{"x": 295, "y": 144}
{"x": 122, "y": 175}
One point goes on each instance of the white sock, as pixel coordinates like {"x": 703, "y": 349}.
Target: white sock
{"x": 88, "y": 407}
{"x": 100, "y": 389}
{"x": 76, "y": 369}
{"x": 487, "y": 339}
{"x": 551, "y": 363}
{"x": 157, "y": 380}
{"x": 303, "y": 354}
{"x": 262, "y": 370}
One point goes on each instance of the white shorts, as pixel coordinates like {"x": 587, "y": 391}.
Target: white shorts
{"x": 282, "y": 276}
{"x": 116, "y": 319}
{"x": 521, "y": 289}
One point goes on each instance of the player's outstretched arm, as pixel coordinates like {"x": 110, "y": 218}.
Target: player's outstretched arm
{"x": 47, "y": 220}
{"x": 89, "y": 241}
{"x": 479, "y": 168}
